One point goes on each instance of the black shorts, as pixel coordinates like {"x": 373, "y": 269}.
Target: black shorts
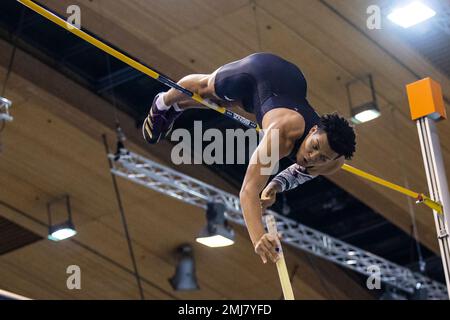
{"x": 264, "y": 81}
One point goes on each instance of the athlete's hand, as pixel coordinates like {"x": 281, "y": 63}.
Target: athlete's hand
{"x": 267, "y": 247}
{"x": 268, "y": 196}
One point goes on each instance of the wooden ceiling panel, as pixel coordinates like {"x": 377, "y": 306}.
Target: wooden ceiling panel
{"x": 51, "y": 163}
{"x": 157, "y": 224}
{"x": 42, "y": 159}
{"x": 209, "y": 53}
{"x": 156, "y": 263}
{"x": 47, "y": 279}
{"x": 389, "y": 38}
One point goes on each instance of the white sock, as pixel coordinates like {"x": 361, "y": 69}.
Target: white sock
{"x": 176, "y": 107}
{"x": 160, "y": 103}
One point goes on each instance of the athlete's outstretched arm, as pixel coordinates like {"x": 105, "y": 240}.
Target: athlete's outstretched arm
{"x": 256, "y": 177}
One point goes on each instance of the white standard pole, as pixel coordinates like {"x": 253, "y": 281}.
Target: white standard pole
{"x": 438, "y": 187}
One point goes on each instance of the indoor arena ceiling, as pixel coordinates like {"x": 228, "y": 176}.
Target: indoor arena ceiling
{"x": 328, "y": 40}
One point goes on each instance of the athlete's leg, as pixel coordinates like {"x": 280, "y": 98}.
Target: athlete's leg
{"x": 168, "y": 106}
{"x": 202, "y": 84}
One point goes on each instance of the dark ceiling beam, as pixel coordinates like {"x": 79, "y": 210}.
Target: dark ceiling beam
{"x": 78, "y": 48}
{"x": 117, "y": 78}
{"x": 362, "y": 231}
{"x": 29, "y": 20}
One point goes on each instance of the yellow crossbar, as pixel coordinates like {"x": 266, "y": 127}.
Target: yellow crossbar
{"x": 418, "y": 196}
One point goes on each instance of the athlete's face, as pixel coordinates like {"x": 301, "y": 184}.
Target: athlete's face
{"x": 315, "y": 150}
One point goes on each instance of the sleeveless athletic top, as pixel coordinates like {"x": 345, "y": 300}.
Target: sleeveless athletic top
{"x": 264, "y": 81}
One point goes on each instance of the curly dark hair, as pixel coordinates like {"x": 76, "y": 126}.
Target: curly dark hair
{"x": 340, "y": 133}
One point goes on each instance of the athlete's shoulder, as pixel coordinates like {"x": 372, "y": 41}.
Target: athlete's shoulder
{"x": 284, "y": 119}
{"x": 292, "y": 127}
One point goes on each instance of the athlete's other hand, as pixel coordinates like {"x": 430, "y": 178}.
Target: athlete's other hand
{"x": 269, "y": 195}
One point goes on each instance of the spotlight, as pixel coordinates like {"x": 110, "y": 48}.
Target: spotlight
{"x": 217, "y": 232}
{"x": 366, "y": 111}
{"x": 411, "y": 14}
{"x": 61, "y": 231}
{"x": 5, "y": 104}
{"x": 185, "y": 278}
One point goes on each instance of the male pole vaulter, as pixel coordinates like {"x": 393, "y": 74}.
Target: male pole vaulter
{"x": 274, "y": 91}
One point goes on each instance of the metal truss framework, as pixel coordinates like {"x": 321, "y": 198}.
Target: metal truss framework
{"x": 160, "y": 178}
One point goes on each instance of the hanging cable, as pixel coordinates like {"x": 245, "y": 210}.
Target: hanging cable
{"x": 113, "y": 93}
{"x": 14, "y": 38}
{"x": 8, "y": 71}
{"x": 124, "y": 223}
{"x": 120, "y": 150}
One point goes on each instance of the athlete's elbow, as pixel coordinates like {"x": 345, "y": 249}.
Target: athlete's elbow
{"x": 243, "y": 193}
{"x": 247, "y": 191}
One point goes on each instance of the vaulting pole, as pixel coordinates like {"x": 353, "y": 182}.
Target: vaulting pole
{"x": 281, "y": 263}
